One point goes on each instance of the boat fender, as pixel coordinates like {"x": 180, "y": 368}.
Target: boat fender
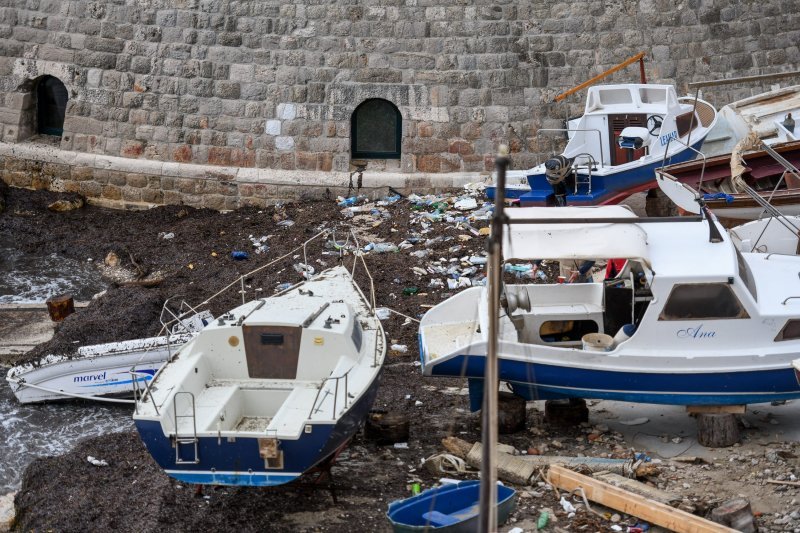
{"x": 624, "y": 333}
{"x": 557, "y": 168}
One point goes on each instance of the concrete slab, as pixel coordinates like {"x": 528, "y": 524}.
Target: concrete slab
{"x": 767, "y": 424}
{"x": 7, "y": 512}
{"x": 21, "y": 328}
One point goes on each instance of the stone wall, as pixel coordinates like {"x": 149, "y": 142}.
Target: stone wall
{"x": 271, "y": 85}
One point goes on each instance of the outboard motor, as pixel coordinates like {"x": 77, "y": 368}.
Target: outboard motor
{"x": 559, "y": 174}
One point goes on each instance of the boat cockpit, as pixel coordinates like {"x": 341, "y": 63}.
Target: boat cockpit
{"x": 562, "y": 314}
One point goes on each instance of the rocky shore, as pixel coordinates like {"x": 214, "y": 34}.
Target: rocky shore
{"x": 418, "y": 246}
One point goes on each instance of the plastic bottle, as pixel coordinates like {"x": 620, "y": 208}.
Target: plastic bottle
{"x": 239, "y": 255}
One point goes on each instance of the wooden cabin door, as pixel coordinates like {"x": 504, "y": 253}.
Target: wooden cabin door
{"x": 616, "y": 124}
{"x": 272, "y": 352}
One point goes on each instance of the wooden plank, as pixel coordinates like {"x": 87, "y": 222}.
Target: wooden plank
{"x": 637, "y": 487}
{"x": 716, "y": 409}
{"x": 599, "y": 77}
{"x": 789, "y": 483}
{"x": 632, "y": 504}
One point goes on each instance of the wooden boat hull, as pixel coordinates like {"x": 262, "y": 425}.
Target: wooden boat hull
{"x": 763, "y": 173}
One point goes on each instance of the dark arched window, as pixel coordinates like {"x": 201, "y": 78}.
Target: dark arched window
{"x": 51, "y": 104}
{"x": 376, "y": 130}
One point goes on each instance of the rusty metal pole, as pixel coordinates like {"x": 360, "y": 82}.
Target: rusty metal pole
{"x": 488, "y": 494}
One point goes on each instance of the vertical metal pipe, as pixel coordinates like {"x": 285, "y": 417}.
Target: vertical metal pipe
{"x": 488, "y": 493}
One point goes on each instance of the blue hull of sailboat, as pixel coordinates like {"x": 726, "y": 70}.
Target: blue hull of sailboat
{"x": 536, "y": 381}
{"x": 223, "y": 461}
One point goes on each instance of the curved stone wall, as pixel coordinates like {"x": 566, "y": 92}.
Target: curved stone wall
{"x": 271, "y": 85}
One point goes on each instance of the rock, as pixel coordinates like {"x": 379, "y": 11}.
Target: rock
{"x": 112, "y": 259}
{"x": 61, "y": 206}
{"x": 7, "y": 513}
{"x": 737, "y": 514}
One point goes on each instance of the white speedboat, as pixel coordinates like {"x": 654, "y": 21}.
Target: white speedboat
{"x": 270, "y": 389}
{"x": 105, "y": 372}
{"x": 691, "y": 320}
{"x": 625, "y": 133}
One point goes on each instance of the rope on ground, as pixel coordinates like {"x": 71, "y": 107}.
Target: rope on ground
{"x": 446, "y": 463}
{"x": 399, "y": 314}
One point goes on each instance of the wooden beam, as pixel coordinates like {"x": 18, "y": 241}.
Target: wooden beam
{"x": 599, "y": 77}
{"x": 789, "y": 483}
{"x": 716, "y": 409}
{"x": 632, "y": 504}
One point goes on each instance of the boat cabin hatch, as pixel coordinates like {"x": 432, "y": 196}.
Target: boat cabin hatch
{"x": 272, "y": 352}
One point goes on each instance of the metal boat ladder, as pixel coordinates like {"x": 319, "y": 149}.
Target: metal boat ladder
{"x": 182, "y": 440}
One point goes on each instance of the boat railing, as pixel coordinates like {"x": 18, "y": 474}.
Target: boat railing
{"x": 664, "y": 161}
{"x": 141, "y": 394}
{"x": 316, "y": 407}
{"x": 575, "y": 130}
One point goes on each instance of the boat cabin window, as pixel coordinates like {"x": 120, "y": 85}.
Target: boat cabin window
{"x": 615, "y": 96}
{"x": 746, "y": 275}
{"x": 653, "y": 96}
{"x": 566, "y": 330}
{"x": 790, "y": 331}
{"x": 356, "y": 336}
{"x": 684, "y": 123}
{"x": 691, "y": 301}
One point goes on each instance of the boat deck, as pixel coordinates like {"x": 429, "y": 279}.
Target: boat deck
{"x": 443, "y": 339}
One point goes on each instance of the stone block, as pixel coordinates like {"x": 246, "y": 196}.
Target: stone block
{"x": 227, "y": 89}
{"x": 137, "y": 181}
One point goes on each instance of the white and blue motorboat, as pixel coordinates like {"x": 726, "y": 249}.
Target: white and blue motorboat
{"x": 270, "y": 389}
{"x": 689, "y": 320}
{"x": 625, "y": 133}
{"x": 107, "y": 372}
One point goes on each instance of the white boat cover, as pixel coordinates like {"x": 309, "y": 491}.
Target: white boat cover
{"x": 574, "y": 241}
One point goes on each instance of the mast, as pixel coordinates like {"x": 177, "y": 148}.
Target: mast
{"x": 488, "y": 491}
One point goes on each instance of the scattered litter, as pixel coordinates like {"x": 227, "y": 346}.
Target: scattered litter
{"x": 516, "y": 530}
{"x": 383, "y": 313}
{"x": 96, "y": 462}
{"x": 635, "y": 421}
{"x": 401, "y": 348}
{"x": 381, "y": 247}
{"x": 616, "y": 527}
{"x": 239, "y": 255}
{"x": 418, "y": 404}
{"x": 410, "y": 291}
{"x": 304, "y": 270}
{"x": 260, "y": 244}
{"x": 568, "y": 507}
{"x": 466, "y": 204}
{"x": 166, "y": 236}
{"x": 401, "y": 445}
{"x": 541, "y": 523}
{"x": 286, "y": 223}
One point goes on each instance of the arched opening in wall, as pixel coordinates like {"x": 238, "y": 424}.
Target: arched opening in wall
{"x": 376, "y": 130}
{"x": 51, "y": 106}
